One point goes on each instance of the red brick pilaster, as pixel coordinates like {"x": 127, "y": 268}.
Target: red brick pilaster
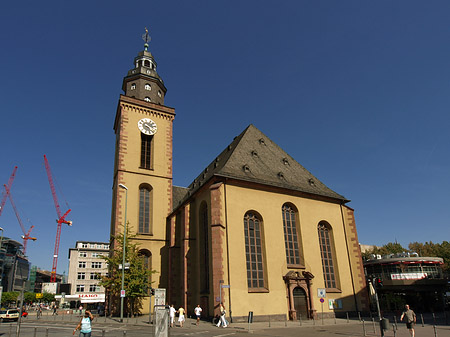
{"x": 218, "y": 242}
{"x": 184, "y": 251}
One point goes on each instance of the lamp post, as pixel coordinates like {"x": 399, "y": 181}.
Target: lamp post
{"x": 122, "y": 295}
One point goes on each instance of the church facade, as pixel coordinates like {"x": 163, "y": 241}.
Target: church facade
{"x": 255, "y": 230}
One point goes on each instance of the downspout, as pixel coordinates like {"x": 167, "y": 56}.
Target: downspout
{"x": 228, "y": 251}
{"x": 348, "y": 257}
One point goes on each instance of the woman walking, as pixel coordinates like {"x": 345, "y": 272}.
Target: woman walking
{"x": 85, "y": 325}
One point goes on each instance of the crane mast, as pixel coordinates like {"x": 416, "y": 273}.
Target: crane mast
{"x": 61, "y": 219}
{"x": 7, "y": 189}
{"x": 26, "y": 235}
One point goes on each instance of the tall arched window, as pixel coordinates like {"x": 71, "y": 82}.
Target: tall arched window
{"x": 145, "y": 210}
{"x": 204, "y": 247}
{"x": 254, "y": 251}
{"x": 327, "y": 253}
{"x": 146, "y": 257}
{"x": 146, "y": 151}
{"x": 291, "y": 235}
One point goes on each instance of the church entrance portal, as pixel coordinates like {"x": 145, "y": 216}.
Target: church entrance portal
{"x": 300, "y": 303}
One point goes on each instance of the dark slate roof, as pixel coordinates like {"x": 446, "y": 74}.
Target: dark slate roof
{"x": 178, "y": 194}
{"x": 253, "y": 157}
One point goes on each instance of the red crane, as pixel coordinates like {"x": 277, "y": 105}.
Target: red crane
{"x": 61, "y": 219}
{"x": 26, "y": 235}
{"x": 7, "y": 189}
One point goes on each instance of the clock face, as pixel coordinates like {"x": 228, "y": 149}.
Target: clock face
{"x": 147, "y": 126}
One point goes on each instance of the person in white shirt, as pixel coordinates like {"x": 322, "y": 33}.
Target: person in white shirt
{"x": 198, "y": 313}
{"x": 172, "y": 312}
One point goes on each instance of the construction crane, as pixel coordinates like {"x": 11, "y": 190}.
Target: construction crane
{"x": 61, "y": 219}
{"x": 7, "y": 189}
{"x": 26, "y": 235}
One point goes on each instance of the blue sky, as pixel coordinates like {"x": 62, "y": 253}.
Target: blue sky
{"x": 355, "y": 91}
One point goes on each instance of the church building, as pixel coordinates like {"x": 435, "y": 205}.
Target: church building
{"x": 254, "y": 230}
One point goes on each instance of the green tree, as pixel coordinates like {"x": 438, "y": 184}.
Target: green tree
{"x": 136, "y": 283}
{"x": 29, "y": 297}
{"x": 47, "y": 297}
{"x": 9, "y": 297}
{"x": 389, "y": 248}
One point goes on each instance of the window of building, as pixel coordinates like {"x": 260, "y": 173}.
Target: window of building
{"x": 146, "y": 151}
{"x": 133, "y": 86}
{"x": 84, "y": 245}
{"x": 327, "y": 253}
{"x": 145, "y": 202}
{"x": 81, "y": 264}
{"x": 81, "y": 276}
{"x": 94, "y": 276}
{"x": 97, "y": 265}
{"x": 147, "y": 99}
{"x": 204, "y": 247}
{"x": 148, "y": 87}
{"x": 254, "y": 251}
{"x": 146, "y": 257}
{"x": 97, "y": 254}
{"x": 82, "y": 254}
{"x": 159, "y": 93}
{"x": 291, "y": 236}
{"x": 80, "y": 288}
{"x": 93, "y": 288}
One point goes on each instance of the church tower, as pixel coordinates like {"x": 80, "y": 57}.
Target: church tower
{"x": 142, "y": 184}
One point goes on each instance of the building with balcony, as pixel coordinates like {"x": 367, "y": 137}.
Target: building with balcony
{"x": 408, "y": 278}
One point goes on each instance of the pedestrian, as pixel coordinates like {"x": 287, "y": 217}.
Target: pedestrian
{"x": 198, "y": 313}
{"x": 172, "y": 312}
{"x": 85, "y": 325}
{"x": 54, "y": 311}
{"x": 181, "y": 318}
{"x": 410, "y": 319}
{"x": 222, "y": 316}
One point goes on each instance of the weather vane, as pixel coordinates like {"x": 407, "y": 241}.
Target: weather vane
{"x": 146, "y": 38}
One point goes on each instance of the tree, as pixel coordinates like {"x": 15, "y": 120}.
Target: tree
{"x": 29, "y": 297}
{"x": 389, "y": 248}
{"x": 47, "y": 297}
{"x": 9, "y": 297}
{"x": 137, "y": 277}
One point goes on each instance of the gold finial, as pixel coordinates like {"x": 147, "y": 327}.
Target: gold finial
{"x": 146, "y": 38}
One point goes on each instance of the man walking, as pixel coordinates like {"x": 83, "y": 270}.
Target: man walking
{"x": 410, "y": 319}
{"x": 198, "y": 313}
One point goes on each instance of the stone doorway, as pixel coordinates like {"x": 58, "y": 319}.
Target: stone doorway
{"x": 298, "y": 289}
{"x": 300, "y": 302}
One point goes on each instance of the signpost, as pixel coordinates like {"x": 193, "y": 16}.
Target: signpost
{"x": 322, "y": 293}
{"x": 122, "y": 293}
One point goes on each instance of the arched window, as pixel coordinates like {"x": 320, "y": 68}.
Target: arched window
{"x": 148, "y": 87}
{"x": 254, "y": 251}
{"x": 145, "y": 211}
{"x": 291, "y": 236}
{"x": 204, "y": 247}
{"x": 133, "y": 86}
{"x": 146, "y": 151}
{"x": 147, "y": 99}
{"x": 146, "y": 257}
{"x": 327, "y": 253}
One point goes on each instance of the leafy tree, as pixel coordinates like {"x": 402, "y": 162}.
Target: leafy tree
{"x": 9, "y": 297}
{"x": 29, "y": 297}
{"x": 47, "y": 297}
{"x": 136, "y": 283}
{"x": 389, "y": 248}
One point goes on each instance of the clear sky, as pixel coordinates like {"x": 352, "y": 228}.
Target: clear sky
{"x": 355, "y": 91}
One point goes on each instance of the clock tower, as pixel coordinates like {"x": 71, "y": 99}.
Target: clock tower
{"x": 142, "y": 184}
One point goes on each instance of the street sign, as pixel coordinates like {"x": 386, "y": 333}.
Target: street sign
{"x": 321, "y": 292}
{"x": 39, "y": 295}
{"x": 321, "y": 300}
{"x": 122, "y": 293}
{"x": 225, "y": 286}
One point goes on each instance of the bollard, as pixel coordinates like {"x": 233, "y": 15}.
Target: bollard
{"x": 35, "y": 332}
{"x": 300, "y": 319}
{"x": 314, "y": 320}
{"x": 421, "y": 317}
{"x": 373, "y": 323}
{"x": 335, "y": 322}
{"x": 10, "y": 329}
{"x": 46, "y": 332}
{"x": 359, "y": 316}
{"x": 103, "y": 333}
{"x": 285, "y": 322}
{"x": 105, "y": 319}
{"x": 434, "y": 319}
{"x": 395, "y": 323}
{"x": 347, "y": 318}
{"x": 124, "y": 333}
{"x": 370, "y": 314}
{"x": 395, "y": 330}
{"x": 364, "y": 328}
{"x": 435, "y": 331}
{"x": 269, "y": 321}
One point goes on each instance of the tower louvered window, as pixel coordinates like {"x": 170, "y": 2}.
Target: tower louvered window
{"x": 326, "y": 251}
{"x": 146, "y": 151}
{"x": 254, "y": 251}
